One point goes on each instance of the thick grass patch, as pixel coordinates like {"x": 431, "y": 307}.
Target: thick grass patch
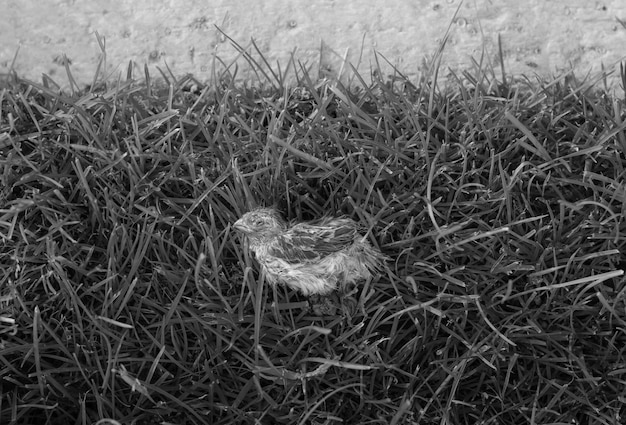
{"x": 127, "y": 297}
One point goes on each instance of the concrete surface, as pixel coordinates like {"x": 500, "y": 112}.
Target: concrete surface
{"x": 538, "y": 36}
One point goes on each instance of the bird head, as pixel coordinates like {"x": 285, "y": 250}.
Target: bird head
{"x": 261, "y": 222}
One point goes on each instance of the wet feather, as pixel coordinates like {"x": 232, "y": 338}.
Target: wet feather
{"x": 314, "y": 257}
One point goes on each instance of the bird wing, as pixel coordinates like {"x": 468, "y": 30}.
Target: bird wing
{"x": 310, "y": 242}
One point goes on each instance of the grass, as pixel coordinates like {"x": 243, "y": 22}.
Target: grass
{"x": 126, "y": 296}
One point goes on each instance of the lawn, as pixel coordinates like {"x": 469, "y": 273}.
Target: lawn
{"x": 127, "y": 297}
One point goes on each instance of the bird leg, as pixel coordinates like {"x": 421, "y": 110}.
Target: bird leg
{"x": 326, "y": 305}
{"x": 323, "y": 305}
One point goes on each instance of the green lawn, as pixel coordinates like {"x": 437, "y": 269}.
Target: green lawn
{"x": 127, "y": 296}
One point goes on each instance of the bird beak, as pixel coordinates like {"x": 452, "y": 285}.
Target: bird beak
{"x": 239, "y": 226}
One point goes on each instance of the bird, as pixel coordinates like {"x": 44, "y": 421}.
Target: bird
{"x": 315, "y": 258}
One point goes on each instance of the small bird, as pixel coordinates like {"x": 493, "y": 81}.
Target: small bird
{"x": 315, "y": 257}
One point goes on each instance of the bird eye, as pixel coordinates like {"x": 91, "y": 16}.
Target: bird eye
{"x": 258, "y": 221}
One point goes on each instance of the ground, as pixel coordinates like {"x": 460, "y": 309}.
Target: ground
{"x": 537, "y": 36}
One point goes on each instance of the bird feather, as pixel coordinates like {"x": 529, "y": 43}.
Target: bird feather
{"x": 313, "y": 257}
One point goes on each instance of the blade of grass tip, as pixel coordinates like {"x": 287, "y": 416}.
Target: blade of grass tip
{"x": 101, "y": 60}
{"x": 595, "y": 280}
{"x": 305, "y": 70}
{"x": 337, "y": 363}
{"x": 610, "y": 308}
{"x": 425, "y": 306}
{"x": 36, "y": 353}
{"x": 129, "y": 71}
{"x": 250, "y": 201}
{"x": 313, "y": 408}
{"x": 133, "y": 382}
{"x": 617, "y": 114}
{"x": 493, "y": 328}
{"x": 501, "y": 57}
{"x": 197, "y": 272}
{"x": 105, "y": 367}
{"x": 30, "y": 112}
{"x": 215, "y": 254}
{"x": 357, "y": 65}
{"x": 74, "y": 87}
{"x": 269, "y": 365}
{"x": 269, "y": 67}
{"x": 378, "y": 70}
{"x": 215, "y": 290}
{"x": 405, "y": 405}
{"x": 429, "y": 189}
{"x": 156, "y": 389}
{"x": 359, "y": 114}
{"x": 165, "y": 76}
{"x": 155, "y": 363}
{"x": 256, "y": 67}
{"x": 306, "y": 157}
{"x": 47, "y": 83}
{"x": 115, "y": 322}
{"x": 145, "y": 238}
{"x": 102, "y": 43}
{"x": 225, "y": 175}
{"x": 14, "y": 60}
{"x": 94, "y": 82}
{"x": 129, "y": 293}
{"x": 90, "y": 196}
{"x": 257, "y": 314}
{"x": 398, "y": 75}
{"x": 435, "y": 65}
{"x": 344, "y": 61}
{"x": 474, "y": 237}
{"x": 243, "y": 295}
{"x": 226, "y": 75}
{"x": 622, "y": 74}
{"x": 538, "y": 150}
{"x": 440, "y": 388}
{"x": 308, "y": 82}
{"x": 280, "y": 76}
{"x": 356, "y": 75}
{"x": 320, "y": 61}
{"x": 290, "y": 64}
{"x": 173, "y": 308}
{"x": 146, "y": 72}
{"x": 9, "y": 124}
{"x": 433, "y": 72}
{"x": 170, "y": 99}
